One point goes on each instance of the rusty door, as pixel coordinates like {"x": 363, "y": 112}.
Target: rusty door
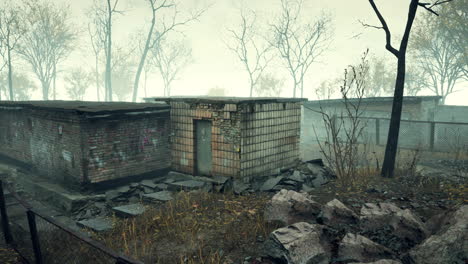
{"x": 203, "y": 146}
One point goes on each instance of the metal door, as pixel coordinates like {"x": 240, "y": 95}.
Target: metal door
{"x": 203, "y": 146}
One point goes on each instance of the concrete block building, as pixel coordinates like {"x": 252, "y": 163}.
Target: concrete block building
{"x": 237, "y": 137}
{"x": 86, "y": 142}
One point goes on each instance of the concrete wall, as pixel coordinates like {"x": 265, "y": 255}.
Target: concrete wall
{"x": 74, "y": 148}
{"x": 451, "y": 113}
{"x": 270, "y": 137}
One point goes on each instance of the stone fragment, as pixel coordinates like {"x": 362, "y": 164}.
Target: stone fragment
{"x": 290, "y": 207}
{"x": 96, "y": 224}
{"x": 391, "y": 226}
{"x": 159, "y": 196}
{"x": 185, "y": 185}
{"x": 148, "y": 183}
{"x": 296, "y": 244}
{"x": 336, "y": 214}
{"x": 449, "y": 245}
{"x": 355, "y": 247}
{"x": 239, "y": 187}
{"x": 380, "y": 261}
{"x": 129, "y": 210}
{"x": 270, "y": 183}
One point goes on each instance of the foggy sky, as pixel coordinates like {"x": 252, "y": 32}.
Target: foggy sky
{"x": 215, "y": 65}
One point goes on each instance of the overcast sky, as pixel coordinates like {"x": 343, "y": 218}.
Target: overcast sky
{"x": 215, "y": 65}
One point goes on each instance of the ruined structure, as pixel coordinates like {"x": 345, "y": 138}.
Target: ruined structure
{"x": 237, "y": 137}
{"x": 86, "y": 142}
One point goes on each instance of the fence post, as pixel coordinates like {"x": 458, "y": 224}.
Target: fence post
{"x": 34, "y": 236}
{"x": 377, "y": 131}
{"x": 432, "y": 136}
{"x": 4, "y": 215}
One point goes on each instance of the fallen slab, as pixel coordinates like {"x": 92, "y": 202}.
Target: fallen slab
{"x": 96, "y": 224}
{"x": 129, "y": 210}
{"x": 159, "y": 196}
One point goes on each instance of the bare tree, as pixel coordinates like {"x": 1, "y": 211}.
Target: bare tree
{"x": 77, "y": 82}
{"x": 156, "y": 34}
{"x": 102, "y": 15}
{"x": 440, "y": 60}
{"x": 299, "y": 45}
{"x": 96, "y": 31}
{"x": 11, "y": 30}
{"x": 48, "y": 41}
{"x": 24, "y": 86}
{"x": 217, "y": 91}
{"x": 391, "y": 148}
{"x": 170, "y": 57}
{"x": 269, "y": 85}
{"x": 124, "y": 63}
{"x": 255, "y": 57}
{"x": 453, "y": 20}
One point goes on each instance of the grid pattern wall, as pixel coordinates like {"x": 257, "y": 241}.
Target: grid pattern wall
{"x": 126, "y": 146}
{"x": 225, "y": 136}
{"x": 270, "y": 137}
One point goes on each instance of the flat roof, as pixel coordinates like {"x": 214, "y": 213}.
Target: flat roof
{"x": 225, "y": 99}
{"x": 88, "y": 107}
{"x": 409, "y": 99}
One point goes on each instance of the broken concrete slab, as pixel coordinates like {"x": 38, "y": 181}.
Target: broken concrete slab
{"x": 129, "y": 210}
{"x": 161, "y": 186}
{"x": 186, "y": 185}
{"x": 123, "y": 189}
{"x": 270, "y": 183}
{"x": 238, "y": 187}
{"x": 96, "y": 224}
{"x": 159, "y": 196}
{"x": 148, "y": 183}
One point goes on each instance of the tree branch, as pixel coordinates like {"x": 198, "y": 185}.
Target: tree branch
{"x": 388, "y": 35}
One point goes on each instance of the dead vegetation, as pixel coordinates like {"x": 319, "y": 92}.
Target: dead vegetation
{"x": 195, "y": 227}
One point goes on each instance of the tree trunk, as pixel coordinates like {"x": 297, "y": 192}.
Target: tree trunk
{"x": 143, "y": 58}
{"x": 388, "y": 166}
{"x": 97, "y": 79}
{"x": 45, "y": 90}
{"x": 109, "y": 53}
{"x": 10, "y": 75}
{"x": 55, "y": 76}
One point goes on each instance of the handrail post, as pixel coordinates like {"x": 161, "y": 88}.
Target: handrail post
{"x": 4, "y": 217}
{"x": 34, "y": 236}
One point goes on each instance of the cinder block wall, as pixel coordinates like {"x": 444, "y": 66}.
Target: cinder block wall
{"x": 123, "y": 147}
{"x": 270, "y": 137}
{"x": 225, "y": 130}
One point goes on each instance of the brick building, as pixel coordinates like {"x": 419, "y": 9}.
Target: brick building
{"x": 86, "y": 142}
{"x": 238, "y": 137}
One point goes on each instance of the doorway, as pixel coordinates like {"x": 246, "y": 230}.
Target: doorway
{"x": 203, "y": 147}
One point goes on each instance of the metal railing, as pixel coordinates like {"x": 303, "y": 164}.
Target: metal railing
{"x": 39, "y": 238}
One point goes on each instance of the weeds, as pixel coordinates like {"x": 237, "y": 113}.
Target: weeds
{"x": 201, "y": 227}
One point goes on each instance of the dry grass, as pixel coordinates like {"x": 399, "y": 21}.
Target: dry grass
{"x": 195, "y": 227}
